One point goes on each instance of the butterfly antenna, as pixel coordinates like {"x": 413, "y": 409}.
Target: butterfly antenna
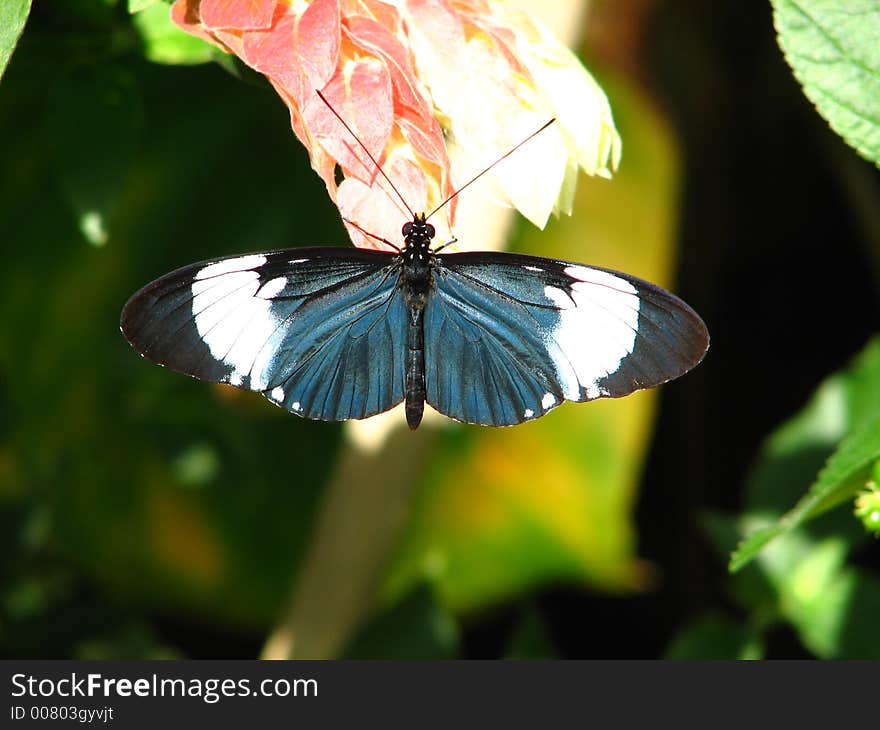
{"x": 506, "y": 154}
{"x": 373, "y": 235}
{"x": 364, "y": 148}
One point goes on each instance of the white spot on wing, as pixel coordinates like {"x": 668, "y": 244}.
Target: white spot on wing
{"x": 565, "y": 371}
{"x": 548, "y": 401}
{"x": 233, "y": 321}
{"x": 208, "y": 291}
{"x": 596, "y": 328}
{"x": 272, "y": 288}
{"x": 213, "y": 305}
{"x": 558, "y": 297}
{"x": 242, "y": 263}
{"x": 533, "y": 268}
{"x": 597, "y": 276}
{"x": 296, "y": 405}
{"x": 277, "y": 393}
{"x": 528, "y": 413}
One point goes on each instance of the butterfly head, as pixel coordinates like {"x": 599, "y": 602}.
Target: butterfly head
{"x": 417, "y": 234}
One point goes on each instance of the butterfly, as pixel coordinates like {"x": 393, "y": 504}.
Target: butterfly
{"x": 485, "y": 338}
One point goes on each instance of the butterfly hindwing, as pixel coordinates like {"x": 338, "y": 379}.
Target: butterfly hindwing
{"x": 319, "y": 331}
{"x": 508, "y": 337}
{"x": 485, "y": 359}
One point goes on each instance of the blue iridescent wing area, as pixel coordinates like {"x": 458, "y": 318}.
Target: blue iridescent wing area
{"x": 319, "y": 331}
{"x": 509, "y": 337}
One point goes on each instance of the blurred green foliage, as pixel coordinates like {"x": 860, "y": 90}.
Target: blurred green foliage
{"x": 845, "y": 409}
{"x": 417, "y": 627}
{"x": 160, "y": 492}
{"x": 801, "y": 576}
{"x": 163, "y": 42}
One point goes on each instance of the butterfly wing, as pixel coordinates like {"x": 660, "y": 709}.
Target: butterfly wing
{"x": 509, "y": 337}
{"x": 319, "y": 331}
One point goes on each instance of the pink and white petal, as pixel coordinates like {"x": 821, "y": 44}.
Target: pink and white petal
{"x": 378, "y": 41}
{"x": 321, "y": 162}
{"x": 317, "y": 41}
{"x": 431, "y": 147}
{"x": 377, "y": 209}
{"x": 437, "y": 40}
{"x": 361, "y": 95}
{"x": 299, "y": 51}
{"x": 384, "y": 13}
{"x": 580, "y": 106}
{"x": 270, "y": 52}
{"x": 185, "y": 14}
{"x": 533, "y": 177}
{"x": 413, "y": 110}
{"x": 242, "y": 15}
{"x": 495, "y": 21}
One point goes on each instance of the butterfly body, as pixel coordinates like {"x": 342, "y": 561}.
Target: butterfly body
{"x": 417, "y": 261}
{"x": 485, "y": 338}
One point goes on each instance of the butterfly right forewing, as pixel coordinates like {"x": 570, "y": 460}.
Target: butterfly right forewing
{"x": 509, "y": 337}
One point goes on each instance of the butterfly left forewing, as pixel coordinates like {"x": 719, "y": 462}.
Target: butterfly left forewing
{"x": 319, "y": 331}
{"x": 541, "y": 330}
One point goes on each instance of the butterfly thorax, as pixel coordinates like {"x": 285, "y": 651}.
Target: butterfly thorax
{"x": 417, "y": 257}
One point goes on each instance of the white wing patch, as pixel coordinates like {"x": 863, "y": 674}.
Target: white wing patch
{"x": 596, "y": 330}
{"x": 229, "y": 265}
{"x": 233, "y": 315}
{"x": 272, "y": 288}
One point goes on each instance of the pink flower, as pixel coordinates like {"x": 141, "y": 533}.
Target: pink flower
{"x": 396, "y": 70}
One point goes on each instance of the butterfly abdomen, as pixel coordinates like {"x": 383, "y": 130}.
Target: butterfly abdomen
{"x": 415, "y": 367}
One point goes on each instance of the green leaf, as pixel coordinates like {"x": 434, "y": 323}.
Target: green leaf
{"x": 847, "y": 402}
{"x": 832, "y": 606}
{"x": 845, "y": 474}
{"x": 164, "y": 42}
{"x": 94, "y": 122}
{"x": 13, "y": 15}
{"x": 813, "y": 596}
{"x": 833, "y": 49}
